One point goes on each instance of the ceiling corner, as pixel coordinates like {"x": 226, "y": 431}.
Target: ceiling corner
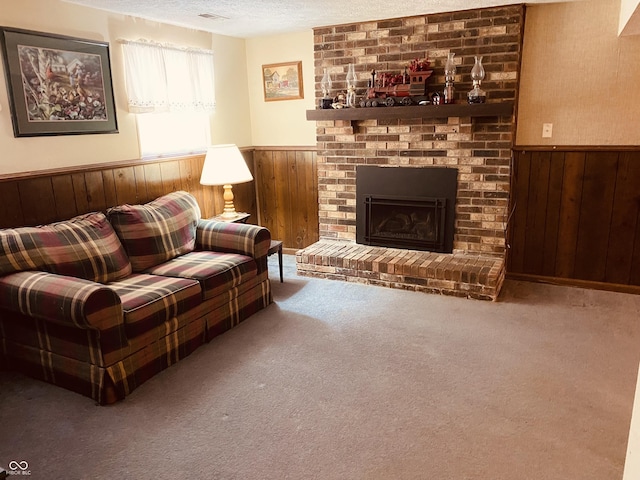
{"x": 629, "y": 18}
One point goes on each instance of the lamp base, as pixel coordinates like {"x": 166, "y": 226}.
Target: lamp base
{"x": 229, "y": 209}
{"x": 229, "y": 215}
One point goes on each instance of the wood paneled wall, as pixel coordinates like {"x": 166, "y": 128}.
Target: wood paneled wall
{"x": 575, "y": 215}
{"x": 285, "y": 187}
{"x": 48, "y": 196}
{"x": 288, "y": 195}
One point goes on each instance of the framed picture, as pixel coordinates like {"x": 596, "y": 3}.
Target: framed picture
{"x": 282, "y": 81}
{"x": 57, "y": 85}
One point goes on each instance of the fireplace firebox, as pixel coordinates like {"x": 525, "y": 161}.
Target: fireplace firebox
{"x": 405, "y": 207}
{"x": 405, "y": 222}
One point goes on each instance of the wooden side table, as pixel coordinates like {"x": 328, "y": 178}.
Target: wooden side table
{"x": 240, "y": 218}
{"x": 276, "y": 246}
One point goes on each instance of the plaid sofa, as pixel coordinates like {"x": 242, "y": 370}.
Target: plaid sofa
{"x": 102, "y": 302}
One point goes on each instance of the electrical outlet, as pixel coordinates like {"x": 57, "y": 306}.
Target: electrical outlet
{"x": 547, "y": 130}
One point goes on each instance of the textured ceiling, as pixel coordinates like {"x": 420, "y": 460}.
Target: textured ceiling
{"x": 253, "y": 18}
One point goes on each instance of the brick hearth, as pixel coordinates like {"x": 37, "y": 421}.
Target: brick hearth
{"x": 459, "y": 274}
{"x": 479, "y": 148}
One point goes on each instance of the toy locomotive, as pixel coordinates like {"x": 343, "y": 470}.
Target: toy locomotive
{"x": 398, "y": 89}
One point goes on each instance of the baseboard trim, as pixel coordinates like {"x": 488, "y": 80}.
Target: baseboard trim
{"x": 575, "y": 148}
{"x": 572, "y": 282}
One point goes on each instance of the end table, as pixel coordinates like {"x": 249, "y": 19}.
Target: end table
{"x": 239, "y": 218}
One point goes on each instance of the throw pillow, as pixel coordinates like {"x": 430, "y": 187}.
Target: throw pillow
{"x": 85, "y": 246}
{"x": 157, "y": 231}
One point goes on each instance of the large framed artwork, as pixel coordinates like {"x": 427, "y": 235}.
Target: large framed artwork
{"x": 57, "y": 85}
{"x": 282, "y": 81}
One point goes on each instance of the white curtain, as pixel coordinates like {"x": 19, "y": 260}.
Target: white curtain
{"x": 168, "y": 79}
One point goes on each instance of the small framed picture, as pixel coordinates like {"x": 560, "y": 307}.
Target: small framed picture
{"x": 57, "y": 85}
{"x": 282, "y": 81}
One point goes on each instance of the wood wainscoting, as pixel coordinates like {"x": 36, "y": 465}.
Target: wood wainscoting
{"x": 52, "y": 195}
{"x": 288, "y": 194}
{"x": 575, "y": 216}
{"x": 285, "y": 187}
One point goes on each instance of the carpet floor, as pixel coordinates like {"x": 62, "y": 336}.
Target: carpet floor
{"x": 339, "y": 380}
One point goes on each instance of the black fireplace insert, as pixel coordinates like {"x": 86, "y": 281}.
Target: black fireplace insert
{"x": 406, "y": 207}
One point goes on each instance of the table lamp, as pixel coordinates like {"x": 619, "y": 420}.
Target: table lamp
{"x": 224, "y": 165}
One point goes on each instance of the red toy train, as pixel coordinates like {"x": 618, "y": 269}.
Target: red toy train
{"x": 401, "y": 89}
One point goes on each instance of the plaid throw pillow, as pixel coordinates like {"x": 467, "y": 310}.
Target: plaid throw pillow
{"x": 84, "y": 247}
{"x": 157, "y": 231}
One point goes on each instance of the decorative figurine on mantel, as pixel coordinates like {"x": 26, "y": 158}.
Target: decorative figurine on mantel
{"x": 340, "y": 101}
{"x": 390, "y": 89}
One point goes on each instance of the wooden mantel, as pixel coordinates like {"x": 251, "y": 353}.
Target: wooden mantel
{"x": 501, "y": 109}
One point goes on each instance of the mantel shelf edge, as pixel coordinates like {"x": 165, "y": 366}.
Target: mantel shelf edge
{"x": 419, "y": 111}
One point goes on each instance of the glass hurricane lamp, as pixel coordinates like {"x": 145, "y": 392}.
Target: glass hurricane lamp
{"x": 449, "y": 77}
{"x": 477, "y": 95}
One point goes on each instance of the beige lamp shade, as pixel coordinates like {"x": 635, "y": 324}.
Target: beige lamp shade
{"x": 224, "y": 165}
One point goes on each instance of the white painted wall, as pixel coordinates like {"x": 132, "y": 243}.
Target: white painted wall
{"x": 283, "y": 122}
{"x": 230, "y": 123}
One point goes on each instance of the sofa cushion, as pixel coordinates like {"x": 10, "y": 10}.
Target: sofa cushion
{"x": 150, "y": 300}
{"x": 85, "y": 247}
{"x": 216, "y": 272}
{"x": 157, "y": 231}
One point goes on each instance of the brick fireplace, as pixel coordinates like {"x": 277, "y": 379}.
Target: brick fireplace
{"x": 477, "y": 143}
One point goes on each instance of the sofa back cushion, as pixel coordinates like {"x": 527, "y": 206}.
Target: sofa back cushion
{"x": 157, "y": 231}
{"x": 84, "y": 247}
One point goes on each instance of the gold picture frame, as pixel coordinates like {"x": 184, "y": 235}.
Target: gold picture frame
{"x": 282, "y": 81}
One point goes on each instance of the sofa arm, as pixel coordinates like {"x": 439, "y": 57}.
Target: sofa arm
{"x": 241, "y": 238}
{"x": 66, "y": 300}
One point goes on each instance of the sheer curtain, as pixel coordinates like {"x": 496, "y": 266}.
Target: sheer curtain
{"x": 163, "y": 78}
{"x": 172, "y": 91}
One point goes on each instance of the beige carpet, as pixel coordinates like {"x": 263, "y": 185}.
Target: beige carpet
{"x": 344, "y": 381}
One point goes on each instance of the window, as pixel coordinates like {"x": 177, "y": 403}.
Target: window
{"x": 172, "y": 92}
{"x": 173, "y": 133}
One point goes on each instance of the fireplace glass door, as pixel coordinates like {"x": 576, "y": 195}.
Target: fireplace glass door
{"x": 405, "y": 222}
